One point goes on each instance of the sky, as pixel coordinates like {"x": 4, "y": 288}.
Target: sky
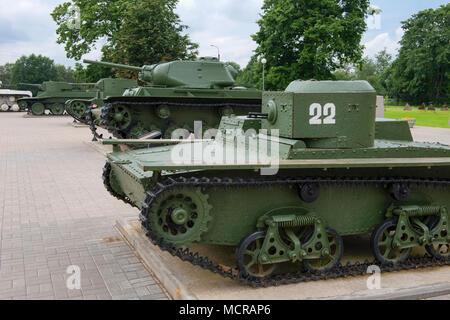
{"x": 26, "y": 27}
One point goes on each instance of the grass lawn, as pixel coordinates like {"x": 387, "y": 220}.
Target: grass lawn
{"x": 438, "y": 119}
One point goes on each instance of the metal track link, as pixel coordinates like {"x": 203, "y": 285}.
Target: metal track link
{"x": 106, "y": 182}
{"x": 342, "y": 271}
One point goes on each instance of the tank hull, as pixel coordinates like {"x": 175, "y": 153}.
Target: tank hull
{"x": 166, "y": 109}
{"x": 285, "y": 185}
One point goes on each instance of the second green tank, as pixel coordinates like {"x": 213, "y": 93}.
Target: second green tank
{"x": 53, "y": 95}
{"x": 175, "y": 95}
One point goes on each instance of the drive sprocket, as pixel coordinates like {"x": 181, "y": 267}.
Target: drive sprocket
{"x": 179, "y": 216}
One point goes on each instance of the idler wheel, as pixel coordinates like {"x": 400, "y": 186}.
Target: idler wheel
{"x": 309, "y": 192}
{"x": 329, "y": 260}
{"x": 400, "y": 191}
{"x": 383, "y": 247}
{"x": 247, "y": 255}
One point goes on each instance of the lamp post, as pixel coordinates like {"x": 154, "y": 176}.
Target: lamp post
{"x": 264, "y": 61}
{"x": 218, "y": 51}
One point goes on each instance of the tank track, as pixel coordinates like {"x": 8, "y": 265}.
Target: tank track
{"x": 105, "y": 176}
{"x": 92, "y": 127}
{"x": 342, "y": 271}
{"x": 118, "y": 133}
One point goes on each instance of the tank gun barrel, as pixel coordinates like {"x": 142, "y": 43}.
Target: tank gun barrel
{"x": 113, "y": 65}
{"x": 33, "y": 85}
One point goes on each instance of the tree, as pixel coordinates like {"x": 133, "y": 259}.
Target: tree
{"x": 251, "y": 76}
{"x": 6, "y": 73}
{"x": 421, "y": 71}
{"x": 92, "y": 73}
{"x": 33, "y": 69}
{"x": 372, "y": 70}
{"x": 304, "y": 39}
{"x": 135, "y": 32}
{"x": 65, "y": 74}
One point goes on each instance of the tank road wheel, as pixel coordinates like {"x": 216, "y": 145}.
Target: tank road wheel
{"x": 118, "y": 117}
{"x": 15, "y": 107}
{"x": 382, "y": 244}
{"x": 57, "y": 109}
{"x": 38, "y": 109}
{"x": 440, "y": 251}
{"x": 78, "y": 108}
{"x": 247, "y": 257}
{"x": 327, "y": 263}
{"x": 4, "y": 107}
{"x": 23, "y": 105}
{"x": 179, "y": 216}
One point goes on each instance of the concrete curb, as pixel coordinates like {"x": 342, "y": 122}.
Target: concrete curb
{"x": 151, "y": 257}
{"x": 414, "y": 293}
{"x": 177, "y": 286}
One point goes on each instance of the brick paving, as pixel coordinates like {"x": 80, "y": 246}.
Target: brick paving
{"x": 55, "y": 213}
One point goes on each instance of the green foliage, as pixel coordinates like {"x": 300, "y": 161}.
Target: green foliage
{"x": 5, "y": 74}
{"x": 65, "y": 74}
{"x": 421, "y": 71}
{"x": 33, "y": 69}
{"x": 135, "y": 32}
{"x": 305, "y": 39}
{"x": 371, "y": 70}
{"x": 92, "y": 73}
{"x": 251, "y": 76}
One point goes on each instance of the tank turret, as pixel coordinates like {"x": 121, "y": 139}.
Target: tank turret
{"x": 204, "y": 73}
{"x": 319, "y": 113}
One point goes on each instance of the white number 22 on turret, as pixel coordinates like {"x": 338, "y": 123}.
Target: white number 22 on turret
{"x": 325, "y": 115}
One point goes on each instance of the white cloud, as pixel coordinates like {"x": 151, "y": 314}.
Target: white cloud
{"x": 26, "y": 27}
{"x": 226, "y": 24}
{"x": 384, "y": 41}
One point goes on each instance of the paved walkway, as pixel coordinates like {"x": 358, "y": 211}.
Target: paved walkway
{"x": 55, "y": 213}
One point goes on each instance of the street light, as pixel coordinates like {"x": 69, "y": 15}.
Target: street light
{"x": 218, "y": 50}
{"x": 264, "y": 61}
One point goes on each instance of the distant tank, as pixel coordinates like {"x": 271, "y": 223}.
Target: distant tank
{"x": 175, "y": 94}
{"x": 53, "y": 95}
{"x": 104, "y": 88}
{"x": 8, "y": 99}
{"x": 284, "y": 198}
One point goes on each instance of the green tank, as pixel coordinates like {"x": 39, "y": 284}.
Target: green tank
{"x": 53, "y": 95}
{"x": 174, "y": 95}
{"x": 284, "y": 186}
{"x": 78, "y": 108}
